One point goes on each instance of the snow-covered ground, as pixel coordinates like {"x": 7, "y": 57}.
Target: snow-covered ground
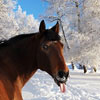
{"x": 79, "y": 86}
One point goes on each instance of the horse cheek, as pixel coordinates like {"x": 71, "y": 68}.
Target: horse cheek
{"x": 41, "y": 60}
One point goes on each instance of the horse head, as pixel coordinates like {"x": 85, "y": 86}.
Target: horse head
{"x": 50, "y": 54}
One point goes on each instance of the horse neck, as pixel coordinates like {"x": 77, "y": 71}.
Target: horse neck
{"x": 28, "y": 60}
{"x": 22, "y": 60}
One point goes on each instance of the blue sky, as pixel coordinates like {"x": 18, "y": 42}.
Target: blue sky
{"x": 35, "y": 7}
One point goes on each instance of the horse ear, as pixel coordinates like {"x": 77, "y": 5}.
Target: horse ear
{"x": 42, "y": 26}
{"x": 56, "y": 28}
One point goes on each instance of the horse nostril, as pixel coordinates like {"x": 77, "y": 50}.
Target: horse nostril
{"x": 62, "y": 74}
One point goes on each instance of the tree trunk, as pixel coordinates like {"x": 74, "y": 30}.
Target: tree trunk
{"x": 84, "y": 68}
{"x": 68, "y": 47}
{"x": 94, "y": 69}
{"x": 78, "y": 16}
{"x": 73, "y": 67}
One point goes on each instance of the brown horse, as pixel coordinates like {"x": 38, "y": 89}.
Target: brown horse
{"x": 22, "y": 55}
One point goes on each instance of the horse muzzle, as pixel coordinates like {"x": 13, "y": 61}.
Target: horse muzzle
{"x": 61, "y": 79}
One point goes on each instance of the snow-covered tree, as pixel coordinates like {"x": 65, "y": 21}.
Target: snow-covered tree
{"x": 15, "y": 22}
{"x": 57, "y": 11}
{"x": 81, "y": 22}
{"x": 90, "y": 26}
{"x": 7, "y": 20}
{"x": 26, "y": 23}
{"x": 91, "y": 16}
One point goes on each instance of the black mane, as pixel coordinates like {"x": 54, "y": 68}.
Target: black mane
{"x": 49, "y": 34}
{"x": 14, "y": 39}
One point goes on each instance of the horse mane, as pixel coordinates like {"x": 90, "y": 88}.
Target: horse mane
{"x": 49, "y": 34}
{"x": 4, "y": 43}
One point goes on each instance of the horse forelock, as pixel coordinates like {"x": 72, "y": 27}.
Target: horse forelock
{"x": 51, "y": 35}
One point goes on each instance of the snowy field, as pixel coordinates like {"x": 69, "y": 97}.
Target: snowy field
{"x": 79, "y": 86}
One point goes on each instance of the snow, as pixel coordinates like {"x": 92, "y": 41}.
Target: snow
{"x": 79, "y": 86}
{"x": 84, "y": 47}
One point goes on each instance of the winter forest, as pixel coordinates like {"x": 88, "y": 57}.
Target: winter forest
{"x": 79, "y": 22}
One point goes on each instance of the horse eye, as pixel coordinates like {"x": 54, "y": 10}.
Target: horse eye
{"x": 45, "y": 46}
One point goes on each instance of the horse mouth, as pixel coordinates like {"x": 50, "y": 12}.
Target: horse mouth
{"x": 61, "y": 82}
